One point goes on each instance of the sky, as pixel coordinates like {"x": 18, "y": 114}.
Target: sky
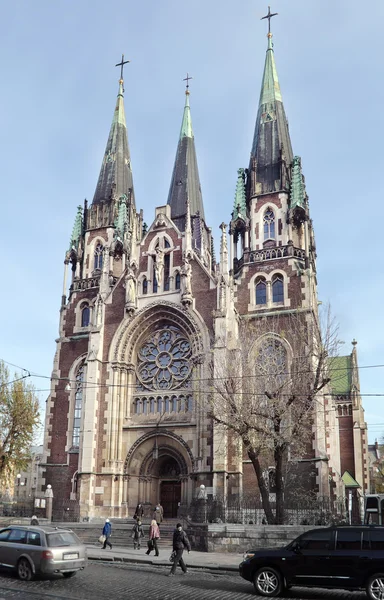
{"x": 58, "y": 90}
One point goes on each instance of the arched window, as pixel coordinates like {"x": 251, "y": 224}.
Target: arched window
{"x": 271, "y": 365}
{"x": 80, "y": 376}
{"x": 261, "y": 292}
{"x": 166, "y": 404}
{"x": 278, "y": 289}
{"x": 85, "y": 315}
{"x": 167, "y": 263}
{"x": 151, "y": 405}
{"x": 269, "y": 225}
{"x": 145, "y": 406}
{"x": 155, "y": 286}
{"x": 145, "y": 285}
{"x": 98, "y": 257}
{"x": 177, "y": 281}
{"x": 174, "y": 404}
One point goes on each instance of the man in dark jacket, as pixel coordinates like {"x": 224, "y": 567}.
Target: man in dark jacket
{"x": 180, "y": 541}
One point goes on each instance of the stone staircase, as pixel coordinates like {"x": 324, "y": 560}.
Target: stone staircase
{"x": 89, "y": 533}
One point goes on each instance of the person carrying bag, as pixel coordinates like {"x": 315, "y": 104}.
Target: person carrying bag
{"x": 137, "y": 534}
{"x": 180, "y": 542}
{"x": 154, "y": 535}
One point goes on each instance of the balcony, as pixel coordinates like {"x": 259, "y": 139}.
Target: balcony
{"x": 266, "y": 254}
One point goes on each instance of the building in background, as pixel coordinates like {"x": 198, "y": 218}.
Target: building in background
{"x": 150, "y": 309}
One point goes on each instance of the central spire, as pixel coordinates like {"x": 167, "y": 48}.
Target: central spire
{"x": 115, "y": 177}
{"x": 271, "y": 142}
{"x": 185, "y": 183}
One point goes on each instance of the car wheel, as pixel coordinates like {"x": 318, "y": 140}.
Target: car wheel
{"x": 268, "y": 582}
{"x": 24, "y": 569}
{"x": 375, "y": 587}
{"x": 69, "y": 574}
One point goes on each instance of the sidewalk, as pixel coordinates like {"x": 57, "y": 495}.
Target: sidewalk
{"x": 216, "y": 561}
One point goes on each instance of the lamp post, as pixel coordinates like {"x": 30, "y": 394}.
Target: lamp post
{"x": 49, "y": 498}
{"x": 18, "y": 476}
{"x": 202, "y": 495}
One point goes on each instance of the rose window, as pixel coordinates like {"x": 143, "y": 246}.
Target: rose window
{"x": 164, "y": 360}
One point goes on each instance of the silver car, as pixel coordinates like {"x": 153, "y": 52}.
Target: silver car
{"x": 41, "y": 550}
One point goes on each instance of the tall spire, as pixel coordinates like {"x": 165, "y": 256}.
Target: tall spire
{"x": 115, "y": 173}
{"x": 271, "y": 143}
{"x": 185, "y": 183}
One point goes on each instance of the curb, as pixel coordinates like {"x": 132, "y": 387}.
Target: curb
{"x": 124, "y": 559}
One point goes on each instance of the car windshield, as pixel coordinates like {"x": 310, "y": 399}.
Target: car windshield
{"x": 62, "y": 538}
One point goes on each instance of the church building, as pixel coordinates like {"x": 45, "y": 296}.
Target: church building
{"x": 146, "y": 312}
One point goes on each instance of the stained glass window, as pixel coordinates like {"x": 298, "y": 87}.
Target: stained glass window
{"x": 277, "y": 290}
{"x": 78, "y": 406}
{"x": 269, "y": 225}
{"x": 164, "y": 359}
{"x": 261, "y": 292}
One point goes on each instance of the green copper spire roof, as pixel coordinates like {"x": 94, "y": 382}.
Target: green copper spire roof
{"x": 298, "y": 194}
{"x": 186, "y": 125}
{"x": 77, "y": 229}
{"x": 239, "y": 207}
{"x": 185, "y": 183}
{"x": 270, "y": 87}
{"x": 271, "y": 142}
{"x": 115, "y": 173}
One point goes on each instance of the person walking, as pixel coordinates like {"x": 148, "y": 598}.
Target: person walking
{"x": 137, "y": 534}
{"x": 180, "y": 541}
{"x": 139, "y": 511}
{"x": 154, "y": 535}
{"x": 34, "y": 520}
{"x": 107, "y": 531}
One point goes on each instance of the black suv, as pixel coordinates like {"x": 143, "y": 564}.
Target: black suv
{"x": 332, "y": 557}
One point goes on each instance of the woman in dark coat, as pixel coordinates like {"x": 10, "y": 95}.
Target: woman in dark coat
{"x": 139, "y": 511}
{"x": 137, "y": 534}
{"x": 180, "y": 541}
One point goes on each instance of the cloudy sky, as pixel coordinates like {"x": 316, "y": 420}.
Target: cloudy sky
{"x": 59, "y": 85}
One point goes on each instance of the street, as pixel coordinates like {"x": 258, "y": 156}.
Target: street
{"x": 147, "y": 582}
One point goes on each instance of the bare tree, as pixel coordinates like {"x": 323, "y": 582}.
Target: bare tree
{"x": 19, "y": 418}
{"x": 265, "y": 392}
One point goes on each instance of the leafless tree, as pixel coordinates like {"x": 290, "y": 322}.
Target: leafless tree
{"x": 265, "y": 392}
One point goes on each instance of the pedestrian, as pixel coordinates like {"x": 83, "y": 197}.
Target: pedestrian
{"x": 180, "y": 541}
{"x": 107, "y": 532}
{"x": 137, "y": 534}
{"x": 158, "y": 513}
{"x": 139, "y": 511}
{"x": 34, "y": 520}
{"x": 154, "y": 535}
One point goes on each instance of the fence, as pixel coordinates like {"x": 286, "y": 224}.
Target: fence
{"x": 249, "y": 510}
{"x": 16, "y": 508}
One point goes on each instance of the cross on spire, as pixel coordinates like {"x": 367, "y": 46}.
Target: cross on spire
{"x": 187, "y": 78}
{"x": 269, "y": 17}
{"x": 121, "y": 64}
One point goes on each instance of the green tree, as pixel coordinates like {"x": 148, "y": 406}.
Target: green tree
{"x": 19, "y": 419}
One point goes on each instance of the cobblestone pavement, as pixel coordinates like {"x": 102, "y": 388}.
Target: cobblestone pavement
{"x": 142, "y": 582}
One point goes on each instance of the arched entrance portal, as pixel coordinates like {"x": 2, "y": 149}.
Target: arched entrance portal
{"x": 158, "y": 466}
{"x": 169, "y": 486}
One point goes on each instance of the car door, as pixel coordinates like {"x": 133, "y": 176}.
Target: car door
{"x": 4, "y": 535}
{"x": 34, "y": 548}
{"x": 313, "y": 549}
{"x": 16, "y": 545}
{"x": 345, "y": 558}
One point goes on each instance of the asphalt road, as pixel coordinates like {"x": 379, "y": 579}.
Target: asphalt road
{"x": 102, "y": 581}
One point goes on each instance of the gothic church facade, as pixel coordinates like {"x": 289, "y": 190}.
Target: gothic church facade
{"x": 145, "y": 313}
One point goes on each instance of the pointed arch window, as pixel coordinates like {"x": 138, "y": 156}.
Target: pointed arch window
{"x": 261, "y": 292}
{"x": 269, "y": 225}
{"x": 98, "y": 257}
{"x": 145, "y": 285}
{"x": 278, "y": 289}
{"x": 177, "y": 281}
{"x": 167, "y": 264}
{"x": 79, "y": 390}
{"x": 155, "y": 284}
{"x": 85, "y": 315}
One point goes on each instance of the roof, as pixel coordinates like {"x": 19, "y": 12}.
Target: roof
{"x": 271, "y": 138}
{"x": 349, "y": 481}
{"x": 185, "y": 181}
{"x": 116, "y": 173}
{"x": 340, "y": 372}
